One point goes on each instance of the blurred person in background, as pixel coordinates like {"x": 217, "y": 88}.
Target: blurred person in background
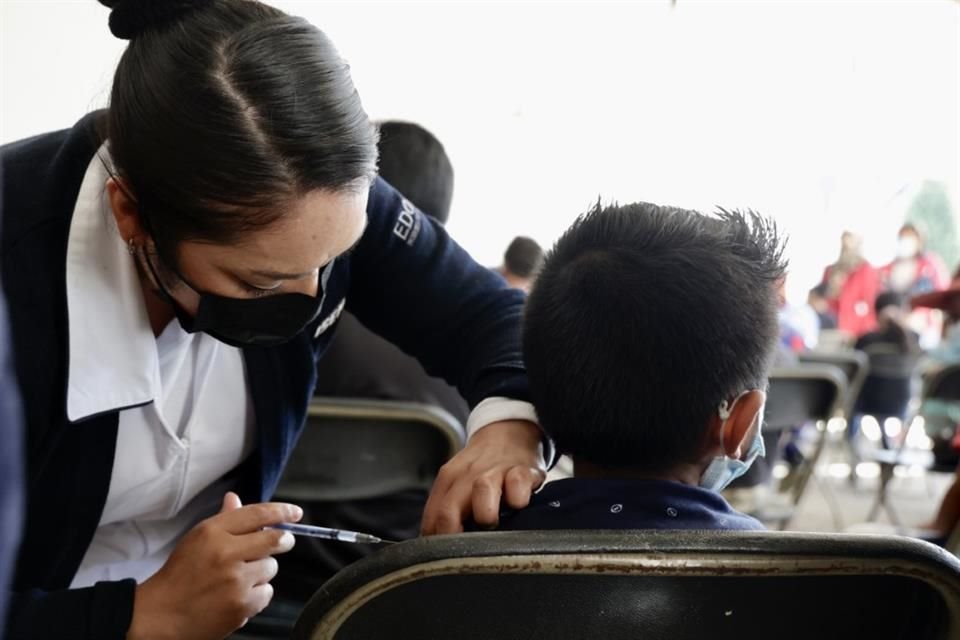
{"x": 942, "y": 417}
{"x": 817, "y": 299}
{"x": 893, "y": 351}
{"x": 851, "y": 287}
{"x": 916, "y": 271}
{"x": 521, "y": 262}
{"x": 799, "y": 323}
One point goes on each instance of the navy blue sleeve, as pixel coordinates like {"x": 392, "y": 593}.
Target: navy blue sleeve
{"x": 100, "y": 612}
{"x": 11, "y": 473}
{"x": 416, "y": 287}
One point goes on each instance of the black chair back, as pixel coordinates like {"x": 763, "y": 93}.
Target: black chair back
{"x": 855, "y": 365}
{"x": 623, "y": 585}
{"x": 805, "y": 393}
{"x": 945, "y": 384}
{"x": 358, "y": 449}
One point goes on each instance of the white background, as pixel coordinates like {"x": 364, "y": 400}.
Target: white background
{"x": 826, "y": 115}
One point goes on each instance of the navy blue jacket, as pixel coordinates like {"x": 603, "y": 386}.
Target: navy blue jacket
{"x": 11, "y": 481}
{"x": 406, "y": 280}
{"x": 607, "y": 503}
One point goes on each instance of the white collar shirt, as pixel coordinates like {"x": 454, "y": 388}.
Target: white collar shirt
{"x": 186, "y": 419}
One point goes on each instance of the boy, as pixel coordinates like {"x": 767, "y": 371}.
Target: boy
{"x": 647, "y": 339}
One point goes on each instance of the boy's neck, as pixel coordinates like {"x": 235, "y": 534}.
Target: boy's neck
{"x": 683, "y": 473}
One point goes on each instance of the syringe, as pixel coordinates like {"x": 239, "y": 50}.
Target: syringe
{"x": 328, "y": 533}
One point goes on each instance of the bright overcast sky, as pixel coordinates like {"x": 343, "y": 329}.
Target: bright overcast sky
{"x": 826, "y": 115}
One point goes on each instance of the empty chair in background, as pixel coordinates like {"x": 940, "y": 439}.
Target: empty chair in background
{"x": 648, "y": 339}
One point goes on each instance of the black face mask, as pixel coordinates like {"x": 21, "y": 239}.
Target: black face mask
{"x": 238, "y": 322}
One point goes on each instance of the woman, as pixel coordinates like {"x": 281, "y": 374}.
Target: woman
{"x": 852, "y": 285}
{"x": 173, "y": 267}
{"x": 914, "y": 272}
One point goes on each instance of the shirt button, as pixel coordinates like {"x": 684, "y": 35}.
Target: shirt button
{"x": 671, "y": 512}
{"x": 616, "y": 508}
{"x": 554, "y": 503}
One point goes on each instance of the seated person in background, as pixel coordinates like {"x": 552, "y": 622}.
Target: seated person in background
{"x": 942, "y": 417}
{"x": 817, "y": 299}
{"x": 648, "y": 337}
{"x": 521, "y": 262}
{"x": 799, "y": 323}
{"x": 894, "y": 351}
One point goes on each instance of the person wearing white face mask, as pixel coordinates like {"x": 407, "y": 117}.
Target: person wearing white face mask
{"x": 916, "y": 271}
{"x": 648, "y": 338}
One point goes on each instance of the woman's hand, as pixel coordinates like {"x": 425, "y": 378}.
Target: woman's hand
{"x": 502, "y": 459}
{"x": 218, "y": 576}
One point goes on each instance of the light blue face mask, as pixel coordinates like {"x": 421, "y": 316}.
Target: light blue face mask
{"x": 723, "y": 469}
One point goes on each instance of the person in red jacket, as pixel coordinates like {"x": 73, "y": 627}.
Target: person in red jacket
{"x": 914, "y": 272}
{"x": 852, "y": 285}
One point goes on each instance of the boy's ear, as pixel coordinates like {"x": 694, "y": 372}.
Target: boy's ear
{"x": 739, "y": 429}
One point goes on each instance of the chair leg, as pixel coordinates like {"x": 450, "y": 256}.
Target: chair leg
{"x": 832, "y": 503}
{"x": 886, "y": 475}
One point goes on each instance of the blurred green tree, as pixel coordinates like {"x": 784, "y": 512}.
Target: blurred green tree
{"x": 932, "y": 212}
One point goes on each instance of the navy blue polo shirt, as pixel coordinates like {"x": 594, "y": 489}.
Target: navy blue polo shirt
{"x": 607, "y": 503}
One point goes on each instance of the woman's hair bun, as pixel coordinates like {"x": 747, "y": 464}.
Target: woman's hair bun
{"x": 130, "y": 18}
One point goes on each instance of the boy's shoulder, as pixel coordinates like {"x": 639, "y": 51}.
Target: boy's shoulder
{"x": 607, "y": 503}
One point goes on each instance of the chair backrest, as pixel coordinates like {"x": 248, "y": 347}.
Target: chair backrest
{"x": 944, "y": 384}
{"x": 804, "y": 393}
{"x": 619, "y": 585}
{"x": 855, "y": 365}
{"x": 354, "y": 449}
{"x": 834, "y": 340}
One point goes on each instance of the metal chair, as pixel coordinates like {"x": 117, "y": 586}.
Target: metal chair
{"x": 354, "y": 449}
{"x": 364, "y": 465}
{"x": 855, "y": 365}
{"x": 943, "y": 385}
{"x": 799, "y": 395}
{"x": 619, "y": 585}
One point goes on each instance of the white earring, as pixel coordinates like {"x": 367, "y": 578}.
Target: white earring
{"x": 131, "y": 246}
